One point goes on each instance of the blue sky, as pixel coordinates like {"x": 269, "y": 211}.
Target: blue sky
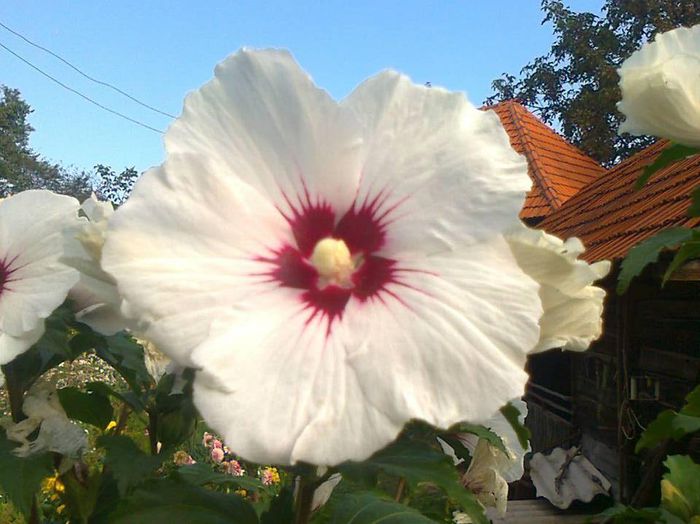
{"x": 158, "y": 50}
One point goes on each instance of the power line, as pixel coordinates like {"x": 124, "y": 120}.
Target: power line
{"x": 81, "y": 95}
{"x": 84, "y": 74}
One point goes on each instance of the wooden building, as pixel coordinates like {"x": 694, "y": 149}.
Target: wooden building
{"x": 648, "y": 358}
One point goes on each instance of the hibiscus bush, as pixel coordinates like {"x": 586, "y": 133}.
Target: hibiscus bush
{"x": 317, "y": 311}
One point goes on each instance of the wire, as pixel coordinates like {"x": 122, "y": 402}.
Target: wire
{"x": 81, "y": 95}
{"x": 83, "y": 73}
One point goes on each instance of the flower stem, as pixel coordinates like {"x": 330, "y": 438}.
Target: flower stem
{"x": 305, "y": 497}
{"x": 15, "y": 393}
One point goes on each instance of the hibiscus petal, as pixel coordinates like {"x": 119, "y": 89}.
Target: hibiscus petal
{"x": 660, "y": 87}
{"x": 572, "y": 305}
{"x": 464, "y": 327}
{"x": 181, "y": 261}
{"x": 437, "y": 169}
{"x": 262, "y": 120}
{"x": 31, "y": 243}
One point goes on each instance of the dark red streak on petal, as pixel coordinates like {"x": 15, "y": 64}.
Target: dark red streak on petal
{"x": 360, "y": 230}
{"x": 372, "y": 276}
{"x": 329, "y": 301}
{"x": 312, "y": 223}
{"x": 291, "y": 269}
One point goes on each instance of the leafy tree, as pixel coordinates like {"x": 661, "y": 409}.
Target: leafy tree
{"x": 20, "y": 167}
{"x": 574, "y": 86}
{"x": 114, "y": 186}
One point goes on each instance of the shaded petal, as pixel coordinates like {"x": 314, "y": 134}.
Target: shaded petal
{"x": 95, "y": 296}
{"x": 573, "y": 307}
{"x": 11, "y": 347}
{"x": 441, "y": 171}
{"x": 328, "y": 396}
{"x": 182, "y": 261}
{"x": 262, "y": 121}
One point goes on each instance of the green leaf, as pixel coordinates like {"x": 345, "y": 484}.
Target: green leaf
{"x": 50, "y": 350}
{"x": 689, "y": 249}
{"x": 668, "y": 156}
{"x": 20, "y": 478}
{"x": 167, "y": 502}
{"x": 512, "y": 415}
{"x": 680, "y": 487}
{"x": 281, "y": 510}
{"x": 125, "y": 355}
{"x": 200, "y": 474}
{"x": 106, "y": 390}
{"x": 175, "y": 412}
{"x": 647, "y": 252}
{"x": 483, "y": 433}
{"x": 671, "y": 425}
{"x": 418, "y": 463}
{"x": 81, "y": 496}
{"x": 694, "y": 209}
{"x": 92, "y": 407}
{"x": 129, "y": 465}
{"x": 620, "y": 514}
{"x": 368, "y": 508}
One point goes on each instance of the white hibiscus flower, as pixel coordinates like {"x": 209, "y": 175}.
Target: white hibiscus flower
{"x": 573, "y": 307}
{"x": 95, "y": 296}
{"x": 332, "y": 269}
{"x": 660, "y": 86}
{"x": 35, "y": 227}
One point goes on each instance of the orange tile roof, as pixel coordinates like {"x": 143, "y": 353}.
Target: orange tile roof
{"x": 557, "y": 168}
{"x": 610, "y": 216}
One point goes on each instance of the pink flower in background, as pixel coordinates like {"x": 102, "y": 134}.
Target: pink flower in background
{"x": 216, "y": 443}
{"x": 217, "y": 455}
{"x": 233, "y": 467}
{"x": 346, "y": 258}
{"x": 207, "y": 438}
{"x": 269, "y": 476}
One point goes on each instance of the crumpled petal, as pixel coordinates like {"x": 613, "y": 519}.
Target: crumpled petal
{"x": 324, "y": 491}
{"x": 35, "y": 227}
{"x": 660, "y": 86}
{"x": 573, "y": 307}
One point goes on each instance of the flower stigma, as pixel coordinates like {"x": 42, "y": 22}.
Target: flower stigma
{"x": 334, "y": 263}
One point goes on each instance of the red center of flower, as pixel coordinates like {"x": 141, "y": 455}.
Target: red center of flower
{"x": 361, "y": 229}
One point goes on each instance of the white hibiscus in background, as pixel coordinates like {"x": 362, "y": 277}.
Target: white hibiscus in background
{"x": 95, "y": 296}
{"x": 347, "y": 260}
{"x": 573, "y": 307}
{"x": 660, "y": 86}
{"x": 35, "y": 227}
{"x": 490, "y": 469}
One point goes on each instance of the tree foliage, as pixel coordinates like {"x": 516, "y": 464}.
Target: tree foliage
{"x": 21, "y": 167}
{"x": 574, "y": 87}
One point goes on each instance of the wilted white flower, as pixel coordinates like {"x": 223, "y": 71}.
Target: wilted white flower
{"x": 573, "y": 307}
{"x": 35, "y": 228}
{"x": 660, "y": 86}
{"x": 346, "y": 259}
{"x": 57, "y": 433}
